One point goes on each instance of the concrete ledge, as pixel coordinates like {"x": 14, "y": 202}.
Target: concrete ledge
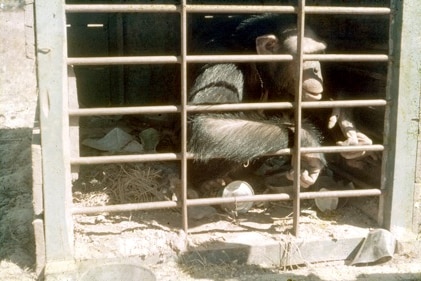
{"x": 254, "y": 248}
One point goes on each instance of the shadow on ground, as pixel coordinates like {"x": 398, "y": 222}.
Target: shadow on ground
{"x": 16, "y": 211}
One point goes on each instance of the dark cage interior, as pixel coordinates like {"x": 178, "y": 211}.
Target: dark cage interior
{"x": 159, "y": 34}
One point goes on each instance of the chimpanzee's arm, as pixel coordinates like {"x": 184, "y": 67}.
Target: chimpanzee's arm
{"x": 236, "y": 136}
{"x": 221, "y": 83}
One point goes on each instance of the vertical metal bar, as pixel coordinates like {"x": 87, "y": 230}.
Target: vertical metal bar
{"x": 297, "y": 116}
{"x": 401, "y": 130}
{"x": 184, "y": 113}
{"x": 54, "y": 121}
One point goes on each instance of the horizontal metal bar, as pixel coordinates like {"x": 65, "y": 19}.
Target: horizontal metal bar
{"x": 343, "y": 103}
{"x": 124, "y": 110}
{"x": 285, "y": 196}
{"x": 237, "y": 58}
{"x": 341, "y": 193}
{"x": 174, "y": 59}
{"x": 285, "y": 105}
{"x": 254, "y": 9}
{"x": 329, "y": 149}
{"x": 220, "y": 200}
{"x": 239, "y": 106}
{"x": 272, "y": 58}
{"x": 237, "y": 9}
{"x": 335, "y": 149}
{"x": 121, "y": 8}
{"x": 220, "y": 59}
{"x": 221, "y": 107}
{"x": 244, "y": 9}
{"x": 348, "y": 10}
{"x": 144, "y": 8}
{"x": 112, "y": 159}
{"x": 123, "y": 60}
{"x": 346, "y": 57}
{"x": 124, "y": 207}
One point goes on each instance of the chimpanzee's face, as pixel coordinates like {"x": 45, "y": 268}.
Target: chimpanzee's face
{"x": 285, "y": 78}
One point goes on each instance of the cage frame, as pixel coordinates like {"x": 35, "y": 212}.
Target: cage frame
{"x": 58, "y": 117}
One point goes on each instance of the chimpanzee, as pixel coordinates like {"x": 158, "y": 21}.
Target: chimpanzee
{"x": 223, "y": 141}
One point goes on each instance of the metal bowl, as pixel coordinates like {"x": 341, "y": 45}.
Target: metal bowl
{"x": 236, "y": 189}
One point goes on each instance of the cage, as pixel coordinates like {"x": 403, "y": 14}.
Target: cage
{"x": 129, "y": 65}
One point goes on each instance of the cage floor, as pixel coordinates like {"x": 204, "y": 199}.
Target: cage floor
{"x": 157, "y": 236}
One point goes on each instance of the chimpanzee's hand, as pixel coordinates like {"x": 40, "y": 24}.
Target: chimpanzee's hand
{"x": 310, "y": 169}
{"x": 343, "y": 118}
{"x": 358, "y": 139}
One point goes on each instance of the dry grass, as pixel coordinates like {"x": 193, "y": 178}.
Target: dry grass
{"x": 132, "y": 183}
{"x": 124, "y": 183}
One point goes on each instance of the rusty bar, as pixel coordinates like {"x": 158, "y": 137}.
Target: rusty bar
{"x": 285, "y": 196}
{"x": 183, "y": 66}
{"x": 220, "y": 58}
{"x": 342, "y": 193}
{"x": 240, "y": 106}
{"x": 286, "y": 105}
{"x": 254, "y": 9}
{"x": 221, "y": 107}
{"x": 122, "y": 60}
{"x": 249, "y": 9}
{"x": 344, "y": 103}
{"x": 220, "y": 200}
{"x": 173, "y": 59}
{"x": 237, "y": 58}
{"x": 124, "y": 110}
{"x": 296, "y": 152}
{"x": 244, "y": 9}
{"x": 124, "y": 207}
{"x": 335, "y": 149}
{"x": 92, "y": 160}
{"x": 306, "y": 57}
{"x": 346, "y": 57}
{"x": 121, "y": 8}
{"x": 348, "y": 10}
{"x": 168, "y": 8}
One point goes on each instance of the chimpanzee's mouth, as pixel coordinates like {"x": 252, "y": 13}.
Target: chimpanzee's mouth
{"x": 310, "y": 96}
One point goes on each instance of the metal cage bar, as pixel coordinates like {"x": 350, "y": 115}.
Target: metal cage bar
{"x": 156, "y": 8}
{"x": 184, "y": 115}
{"x": 296, "y": 154}
{"x": 221, "y": 107}
{"x": 220, "y": 58}
{"x": 91, "y": 160}
{"x": 214, "y": 201}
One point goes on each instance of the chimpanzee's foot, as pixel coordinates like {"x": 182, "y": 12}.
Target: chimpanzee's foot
{"x": 210, "y": 188}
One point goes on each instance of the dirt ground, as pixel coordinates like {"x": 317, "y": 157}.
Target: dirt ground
{"x": 155, "y": 237}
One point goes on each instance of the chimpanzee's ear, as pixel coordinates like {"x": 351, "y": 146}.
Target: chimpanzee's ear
{"x": 267, "y": 44}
